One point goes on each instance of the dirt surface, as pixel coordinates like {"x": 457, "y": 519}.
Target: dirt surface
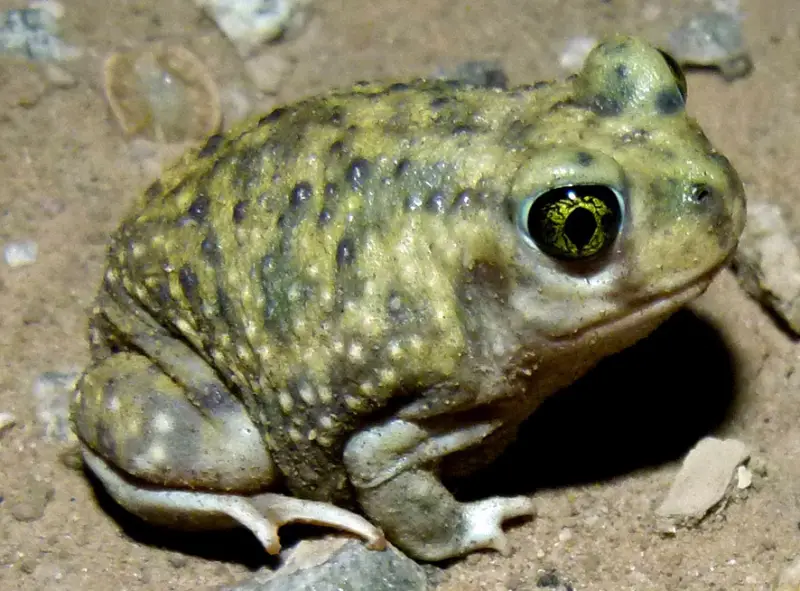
{"x": 599, "y": 458}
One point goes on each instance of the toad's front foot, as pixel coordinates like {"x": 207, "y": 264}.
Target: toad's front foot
{"x": 422, "y": 518}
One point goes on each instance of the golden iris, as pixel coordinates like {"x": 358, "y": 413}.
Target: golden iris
{"x": 573, "y": 223}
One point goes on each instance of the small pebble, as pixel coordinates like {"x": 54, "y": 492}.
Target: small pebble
{"x": 702, "y": 482}
{"x": 52, "y": 392}
{"x": 789, "y": 579}
{"x": 744, "y": 478}
{"x": 162, "y": 92}
{"x": 32, "y": 33}
{"x": 59, "y": 77}
{"x": 31, "y": 502}
{"x": 7, "y": 421}
{"x": 249, "y": 24}
{"x": 486, "y": 74}
{"x": 267, "y": 71}
{"x": 767, "y": 262}
{"x": 575, "y": 52}
{"x": 19, "y": 254}
{"x": 712, "y": 39}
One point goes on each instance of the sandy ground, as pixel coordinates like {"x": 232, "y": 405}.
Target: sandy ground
{"x": 600, "y": 458}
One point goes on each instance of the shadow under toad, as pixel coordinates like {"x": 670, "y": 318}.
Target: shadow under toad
{"x": 639, "y": 408}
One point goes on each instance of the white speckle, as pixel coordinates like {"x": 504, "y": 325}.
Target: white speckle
{"x": 184, "y": 326}
{"x": 312, "y": 271}
{"x": 353, "y": 402}
{"x": 244, "y": 353}
{"x": 137, "y": 250}
{"x": 7, "y": 421}
{"x": 162, "y": 423}
{"x": 113, "y": 404}
{"x": 307, "y": 394}
{"x": 141, "y": 293}
{"x": 369, "y": 288}
{"x": 311, "y": 435}
{"x": 295, "y": 435}
{"x": 286, "y": 401}
{"x": 299, "y": 325}
{"x": 157, "y": 453}
{"x": 264, "y": 353}
{"x": 415, "y": 343}
{"x": 111, "y": 276}
{"x": 326, "y": 422}
{"x": 355, "y": 352}
{"x": 19, "y": 254}
{"x": 395, "y": 350}
{"x": 367, "y": 388}
{"x": 575, "y": 52}
{"x": 337, "y": 345}
{"x": 326, "y": 296}
{"x": 251, "y": 329}
{"x": 387, "y": 376}
{"x": 325, "y": 394}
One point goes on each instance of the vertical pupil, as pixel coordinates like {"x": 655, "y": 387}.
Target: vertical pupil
{"x": 580, "y": 226}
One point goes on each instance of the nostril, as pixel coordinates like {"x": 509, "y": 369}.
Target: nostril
{"x": 700, "y": 193}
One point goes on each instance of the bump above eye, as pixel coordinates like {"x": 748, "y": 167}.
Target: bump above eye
{"x": 572, "y": 223}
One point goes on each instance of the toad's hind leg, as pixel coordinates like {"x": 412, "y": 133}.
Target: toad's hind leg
{"x": 187, "y": 461}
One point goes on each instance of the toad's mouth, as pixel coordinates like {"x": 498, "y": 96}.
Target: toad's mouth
{"x": 642, "y": 316}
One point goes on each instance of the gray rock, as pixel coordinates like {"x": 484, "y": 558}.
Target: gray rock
{"x": 339, "y": 564}
{"x": 704, "y": 480}
{"x": 767, "y": 262}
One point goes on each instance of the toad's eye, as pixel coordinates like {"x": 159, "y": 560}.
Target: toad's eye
{"x": 572, "y": 223}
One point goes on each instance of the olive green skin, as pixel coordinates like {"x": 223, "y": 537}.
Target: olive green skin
{"x": 359, "y": 257}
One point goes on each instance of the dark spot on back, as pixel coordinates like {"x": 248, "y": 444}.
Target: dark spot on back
{"x": 198, "y": 210}
{"x": 154, "y": 190}
{"x": 336, "y": 148}
{"x": 357, "y": 173}
{"x": 439, "y": 101}
{"x": 605, "y": 106}
{"x": 402, "y": 167}
{"x": 210, "y": 249}
{"x": 398, "y": 86}
{"x": 331, "y": 190}
{"x": 435, "y": 202}
{"x": 541, "y": 85}
{"x": 273, "y": 116}
{"x": 463, "y": 128}
{"x": 324, "y": 217}
{"x": 189, "y": 283}
{"x": 669, "y": 102}
{"x": 585, "y": 159}
{"x": 163, "y": 295}
{"x": 336, "y": 116}
{"x": 226, "y": 309}
{"x": 345, "y": 252}
{"x": 301, "y": 193}
{"x": 463, "y": 200}
{"x": 212, "y": 397}
{"x": 211, "y": 146}
{"x": 240, "y": 212}
{"x": 622, "y": 71}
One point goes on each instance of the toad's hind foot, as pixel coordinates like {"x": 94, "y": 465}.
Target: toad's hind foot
{"x": 484, "y": 519}
{"x": 262, "y": 514}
